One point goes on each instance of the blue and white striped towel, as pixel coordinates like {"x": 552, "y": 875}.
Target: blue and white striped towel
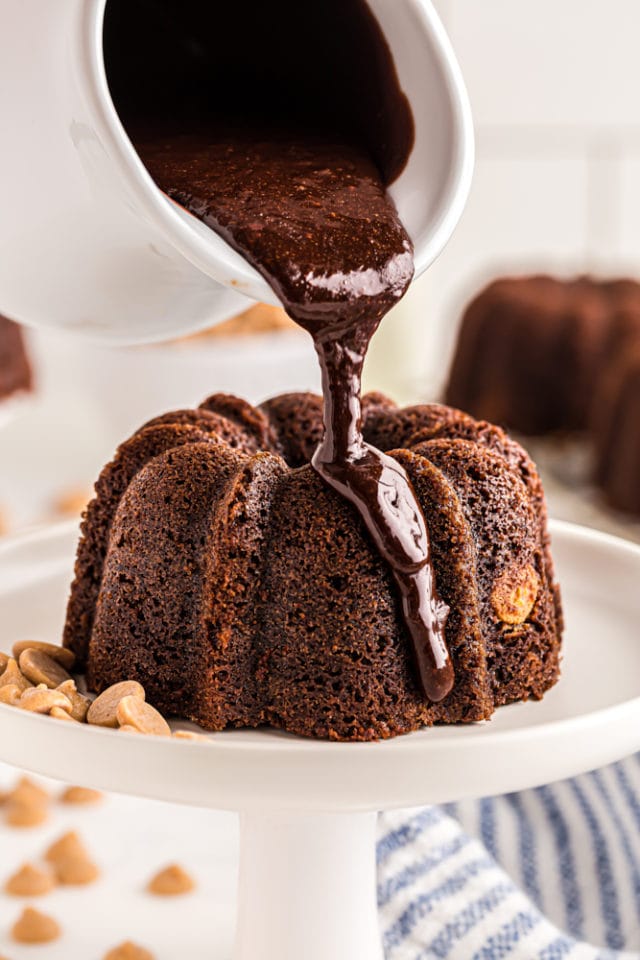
{"x": 540, "y": 875}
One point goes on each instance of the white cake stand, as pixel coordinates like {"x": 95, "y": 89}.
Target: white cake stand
{"x": 307, "y": 871}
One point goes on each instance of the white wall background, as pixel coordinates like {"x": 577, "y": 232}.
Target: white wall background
{"x": 555, "y": 93}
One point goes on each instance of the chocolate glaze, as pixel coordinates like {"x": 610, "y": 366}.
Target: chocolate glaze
{"x": 309, "y": 209}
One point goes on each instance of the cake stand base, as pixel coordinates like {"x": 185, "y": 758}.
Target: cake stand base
{"x": 307, "y": 888}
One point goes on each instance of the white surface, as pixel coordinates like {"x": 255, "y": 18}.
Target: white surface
{"x": 151, "y": 270}
{"x": 543, "y": 62}
{"x": 591, "y": 718}
{"x": 130, "y": 840}
{"x": 527, "y": 210}
{"x": 623, "y": 193}
{"x": 557, "y": 184}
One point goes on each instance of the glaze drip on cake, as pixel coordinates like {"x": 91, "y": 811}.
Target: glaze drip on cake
{"x": 311, "y": 212}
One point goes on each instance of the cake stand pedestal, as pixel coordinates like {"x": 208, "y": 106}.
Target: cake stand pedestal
{"x": 307, "y": 873}
{"x": 307, "y": 887}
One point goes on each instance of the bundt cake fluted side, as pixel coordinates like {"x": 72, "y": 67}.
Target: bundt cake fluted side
{"x": 240, "y": 590}
{"x": 531, "y": 349}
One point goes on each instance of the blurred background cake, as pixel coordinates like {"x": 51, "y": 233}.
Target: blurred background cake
{"x": 535, "y": 352}
{"x": 15, "y": 369}
{"x": 558, "y": 358}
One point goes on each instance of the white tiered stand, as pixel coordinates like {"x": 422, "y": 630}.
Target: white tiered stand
{"x": 308, "y": 809}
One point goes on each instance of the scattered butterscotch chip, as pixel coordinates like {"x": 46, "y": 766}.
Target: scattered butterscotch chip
{"x": 4, "y": 660}
{"x": 189, "y": 735}
{"x": 42, "y": 699}
{"x": 173, "y": 881}
{"x": 103, "y": 710}
{"x": 75, "y": 871}
{"x": 66, "y": 658}
{"x": 67, "y": 847}
{"x": 26, "y": 791}
{"x": 80, "y": 795}
{"x": 12, "y": 674}
{"x": 10, "y": 694}
{"x": 79, "y": 704}
{"x": 59, "y": 714}
{"x": 25, "y": 814}
{"x": 129, "y": 951}
{"x": 29, "y": 881}
{"x": 514, "y": 594}
{"x": 71, "y": 503}
{"x": 39, "y": 667}
{"x": 26, "y": 804}
{"x": 35, "y": 927}
{"x": 133, "y": 712}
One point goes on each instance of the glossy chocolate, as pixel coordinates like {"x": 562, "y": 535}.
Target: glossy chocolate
{"x": 307, "y": 205}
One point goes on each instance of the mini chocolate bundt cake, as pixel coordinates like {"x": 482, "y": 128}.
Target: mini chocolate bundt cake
{"x": 615, "y": 426}
{"x": 531, "y": 350}
{"x": 15, "y": 370}
{"x": 219, "y": 570}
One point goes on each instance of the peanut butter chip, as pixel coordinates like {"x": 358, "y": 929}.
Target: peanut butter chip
{"x": 81, "y": 795}
{"x": 514, "y": 594}
{"x": 66, "y": 658}
{"x": 75, "y": 871}
{"x": 25, "y": 815}
{"x": 189, "y": 735}
{"x": 27, "y": 791}
{"x": 29, "y": 881}
{"x": 171, "y": 882}
{"x": 72, "y": 502}
{"x": 103, "y": 710}
{"x": 58, "y": 714}
{"x": 26, "y": 805}
{"x": 4, "y": 660}
{"x": 42, "y": 699}
{"x": 129, "y": 951}
{"x": 127, "y": 728}
{"x": 133, "y": 712}
{"x": 79, "y": 704}
{"x": 35, "y": 927}
{"x": 68, "y": 847}
{"x": 12, "y": 674}
{"x": 39, "y": 667}
{"x": 10, "y": 694}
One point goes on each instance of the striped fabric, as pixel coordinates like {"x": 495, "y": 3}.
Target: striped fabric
{"x": 539, "y": 875}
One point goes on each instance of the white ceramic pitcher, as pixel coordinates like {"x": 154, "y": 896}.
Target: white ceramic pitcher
{"x": 88, "y": 243}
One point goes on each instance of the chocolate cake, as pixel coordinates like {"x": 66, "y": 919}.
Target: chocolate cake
{"x": 615, "y": 425}
{"x": 549, "y": 356}
{"x": 219, "y": 569}
{"x": 15, "y": 370}
{"x": 531, "y": 351}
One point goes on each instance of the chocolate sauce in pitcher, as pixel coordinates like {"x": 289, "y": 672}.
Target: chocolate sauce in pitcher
{"x": 292, "y": 171}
